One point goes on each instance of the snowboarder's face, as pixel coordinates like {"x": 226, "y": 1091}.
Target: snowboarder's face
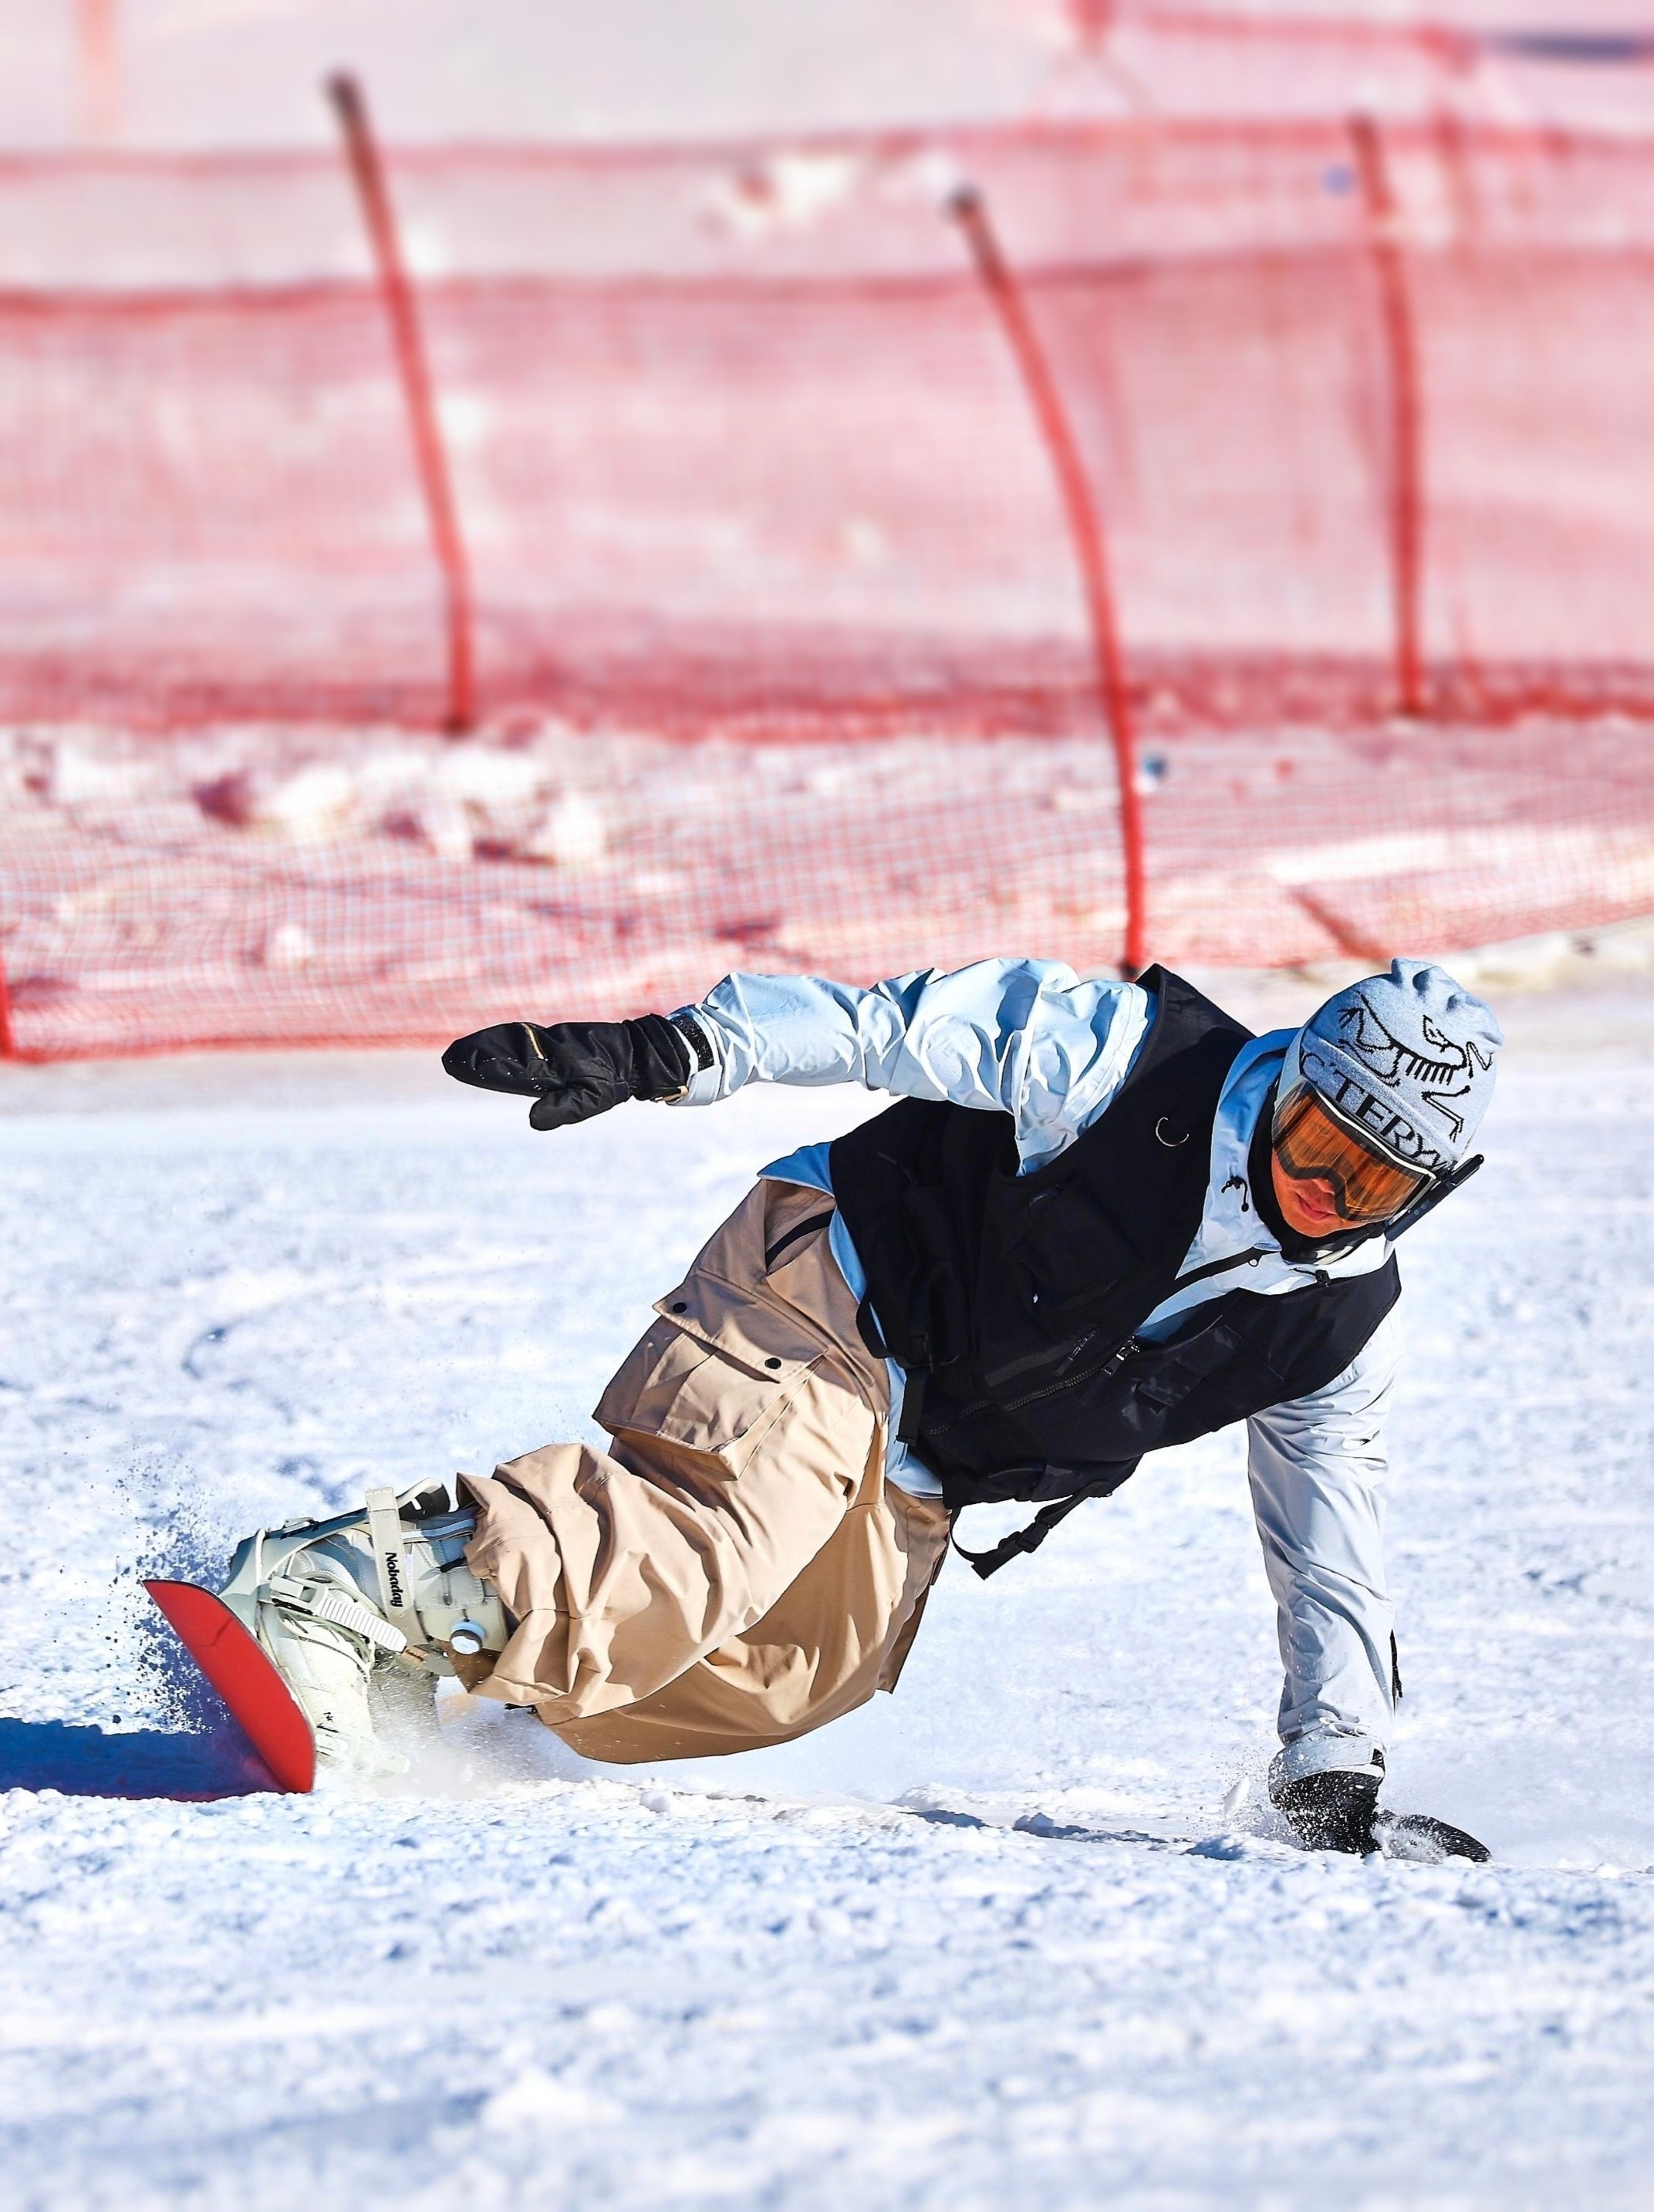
{"x": 1329, "y": 1173}
{"x": 1309, "y": 1208}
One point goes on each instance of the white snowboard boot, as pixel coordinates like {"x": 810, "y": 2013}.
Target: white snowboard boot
{"x": 377, "y": 1593}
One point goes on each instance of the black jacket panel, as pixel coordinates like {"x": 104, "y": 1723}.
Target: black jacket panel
{"x": 978, "y": 1272}
{"x": 1011, "y": 1300}
{"x": 1235, "y": 1356}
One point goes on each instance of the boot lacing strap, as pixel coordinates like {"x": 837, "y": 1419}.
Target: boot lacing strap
{"x": 298, "y": 1594}
{"x": 390, "y": 1563}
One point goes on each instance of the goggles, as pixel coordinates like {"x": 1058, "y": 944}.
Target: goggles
{"x": 1314, "y": 1142}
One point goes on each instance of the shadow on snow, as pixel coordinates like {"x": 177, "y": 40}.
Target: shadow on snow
{"x": 86, "y": 1762}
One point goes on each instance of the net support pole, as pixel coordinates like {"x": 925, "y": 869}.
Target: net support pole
{"x": 1401, "y": 340}
{"x": 97, "y": 40}
{"x": 401, "y": 308}
{"x": 970, "y": 211}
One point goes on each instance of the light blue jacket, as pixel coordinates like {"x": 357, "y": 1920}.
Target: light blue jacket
{"x": 1029, "y": 1038}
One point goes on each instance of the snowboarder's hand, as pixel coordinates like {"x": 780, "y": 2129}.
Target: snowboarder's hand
{"x": 1331, "y": 1811}
{"x": 574, "y": 1070}
{"x": 1338, "y": 1812}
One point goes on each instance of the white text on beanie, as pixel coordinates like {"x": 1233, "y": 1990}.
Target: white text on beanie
{"x": 1407, "y": 1056}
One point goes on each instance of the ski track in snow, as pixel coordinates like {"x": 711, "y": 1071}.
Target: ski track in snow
{"x": 837, "y": 1972}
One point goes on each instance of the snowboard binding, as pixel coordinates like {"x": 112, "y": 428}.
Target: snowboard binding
{"x": 317, "y": 1617}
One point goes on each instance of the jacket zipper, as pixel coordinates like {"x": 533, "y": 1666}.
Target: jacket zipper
{"x": 1116, "y": 1360}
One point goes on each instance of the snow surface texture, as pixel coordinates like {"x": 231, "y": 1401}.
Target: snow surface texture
{"x": 1025, "y": 1933}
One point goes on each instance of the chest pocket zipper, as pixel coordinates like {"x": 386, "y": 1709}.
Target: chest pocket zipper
{"x": 1104, "y": 1369}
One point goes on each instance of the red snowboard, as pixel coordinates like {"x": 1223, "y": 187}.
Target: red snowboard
{"x": 245, "y": 1680}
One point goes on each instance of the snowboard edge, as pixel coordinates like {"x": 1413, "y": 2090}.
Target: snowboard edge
{"x": 258, "y": 1699}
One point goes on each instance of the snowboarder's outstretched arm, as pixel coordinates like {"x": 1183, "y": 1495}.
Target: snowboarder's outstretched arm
{"x": 1027, "y": 1037}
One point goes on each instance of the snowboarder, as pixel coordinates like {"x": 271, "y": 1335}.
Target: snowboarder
{"x": 1101, "y": 1218}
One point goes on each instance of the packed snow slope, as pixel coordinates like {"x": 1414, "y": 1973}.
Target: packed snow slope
{"x": 1022, "y": 1934}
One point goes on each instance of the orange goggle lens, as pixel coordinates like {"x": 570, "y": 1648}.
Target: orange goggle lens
{"x": 1313, "y": 1144}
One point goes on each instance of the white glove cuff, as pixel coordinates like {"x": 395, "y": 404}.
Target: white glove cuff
{"x": 1317, "y": 1753}
{"x": 705, "y": 1084}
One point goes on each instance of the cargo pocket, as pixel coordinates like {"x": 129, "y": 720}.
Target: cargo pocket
{"x": 1169, "y": 1372}
{"x": 713, "y": 1372}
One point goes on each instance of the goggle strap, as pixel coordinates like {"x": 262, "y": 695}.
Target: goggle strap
{"x": 1444, "y": 1187}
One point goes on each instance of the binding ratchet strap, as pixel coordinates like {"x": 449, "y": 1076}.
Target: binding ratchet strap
{"x": 390, "y": 1563}
{"x": 296, "y": 1595}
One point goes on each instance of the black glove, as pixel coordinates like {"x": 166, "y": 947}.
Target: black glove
{"x": 1331, "y": 1811}
{"x": 1337, "y": 1811}
{"x": 574, "y": 1070}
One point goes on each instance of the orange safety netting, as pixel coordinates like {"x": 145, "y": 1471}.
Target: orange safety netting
{"x": 781, "y": 649}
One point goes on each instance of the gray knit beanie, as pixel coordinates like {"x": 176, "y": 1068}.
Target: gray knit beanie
{"x": 1409, "y": 1055}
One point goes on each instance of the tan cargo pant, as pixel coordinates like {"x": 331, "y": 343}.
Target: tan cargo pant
{"x": 734, "y": 1571}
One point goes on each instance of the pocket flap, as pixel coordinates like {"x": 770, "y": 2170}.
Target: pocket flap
{"x": 1168, "y": 1373}
{"x": 770, "y": 1342}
